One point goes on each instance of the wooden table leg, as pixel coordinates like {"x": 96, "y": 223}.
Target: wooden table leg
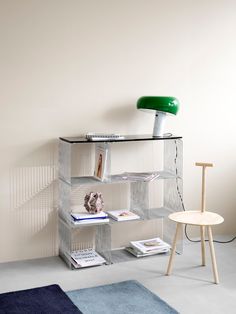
{"x": 203, "y": 245}
{"x": 169, "y": 269}
{"x": 213, "y": 257}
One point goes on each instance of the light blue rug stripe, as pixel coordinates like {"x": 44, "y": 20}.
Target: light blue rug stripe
{"x": 127, "y": 297}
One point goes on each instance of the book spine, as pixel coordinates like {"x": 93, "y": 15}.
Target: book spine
{"x": 92, "y": 218}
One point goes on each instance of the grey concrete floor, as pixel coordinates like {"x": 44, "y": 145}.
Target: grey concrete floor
{"x": 190, "y": 289}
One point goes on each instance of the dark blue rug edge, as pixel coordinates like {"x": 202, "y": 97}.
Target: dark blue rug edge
{"x": 38, "y": 300}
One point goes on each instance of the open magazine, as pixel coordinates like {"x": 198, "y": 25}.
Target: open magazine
{"x": 122, "y": 215}
{"x": 140, "y": 176}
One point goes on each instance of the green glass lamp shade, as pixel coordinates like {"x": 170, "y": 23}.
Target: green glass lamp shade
{"x": 162, "y": 106}
{"x": 159, "y": 103}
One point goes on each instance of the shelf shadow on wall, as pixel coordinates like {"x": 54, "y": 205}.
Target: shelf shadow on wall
{"x": 33, "y": 205}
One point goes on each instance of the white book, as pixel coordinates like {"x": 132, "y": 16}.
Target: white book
{"x": 90, "y": 221}
{"x": 87, "y": 216}
{"x": 101, "y": 155}
{"x": 103, "y": 136}
{"x": 122, "y": 215}
{"x": 145, "y": 246}
{"x": 87, "y": 257}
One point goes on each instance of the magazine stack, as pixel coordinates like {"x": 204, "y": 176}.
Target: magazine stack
{"x": 148, "y": 247}
{"x": 86, "y": 258}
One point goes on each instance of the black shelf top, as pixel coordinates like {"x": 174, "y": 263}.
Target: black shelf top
{"x": 127, "y": 138}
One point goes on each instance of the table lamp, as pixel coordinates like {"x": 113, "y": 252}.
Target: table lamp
{"x": 162, "y": 105}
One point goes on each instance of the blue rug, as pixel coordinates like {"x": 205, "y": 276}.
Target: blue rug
{"x": 44, "y": 300}
{"x": 127, "y": 297}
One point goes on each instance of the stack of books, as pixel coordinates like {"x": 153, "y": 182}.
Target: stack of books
{"x": 148, "y": 247}
{"x": 86, "y": 258}
{"x": 86, "y": 218}
{"x": 122, "y": 215}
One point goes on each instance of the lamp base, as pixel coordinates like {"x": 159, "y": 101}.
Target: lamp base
{"x": 159, "y": 124}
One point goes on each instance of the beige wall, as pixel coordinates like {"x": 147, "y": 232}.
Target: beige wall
{"x": 72, "y": 66}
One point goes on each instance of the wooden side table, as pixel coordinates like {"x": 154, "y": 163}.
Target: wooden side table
{"x": 203, "y": 219}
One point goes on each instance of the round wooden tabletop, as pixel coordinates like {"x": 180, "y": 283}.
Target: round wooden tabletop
{"x": 197, "y": 218}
